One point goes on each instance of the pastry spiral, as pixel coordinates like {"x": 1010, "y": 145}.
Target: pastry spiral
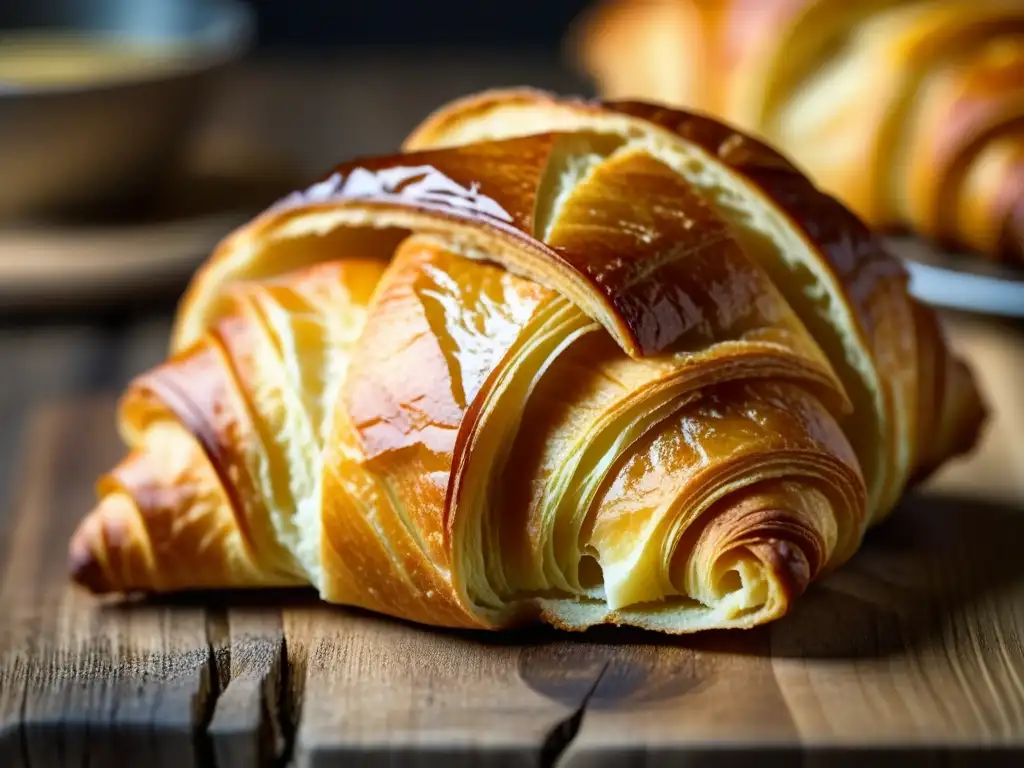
{"x": 556, "y": 361}
{"x": 910, "y": 111}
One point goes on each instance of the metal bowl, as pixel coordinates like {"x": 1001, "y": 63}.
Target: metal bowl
{"x": 70, "y": 146}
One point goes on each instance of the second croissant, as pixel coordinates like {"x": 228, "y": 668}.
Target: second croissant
{"x": 911, "y": 111}
{"x": 562, "y": 361}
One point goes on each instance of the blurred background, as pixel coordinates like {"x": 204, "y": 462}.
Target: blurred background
{"x": 333, "y": 78}
{"x": 326, "y": 24}
{"x": 135, "y": 133}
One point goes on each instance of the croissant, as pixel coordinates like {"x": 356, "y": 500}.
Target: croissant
{"x": 910, "y": 111}
{"x": 557, "y": 361}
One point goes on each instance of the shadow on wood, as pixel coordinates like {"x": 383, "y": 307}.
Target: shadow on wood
{"x": 932, "y": 602}
{"x": 936, "y": 555}
{"x": 915, "y": 577}
{"x": 217, "y": 599}
{"x": 933, "y": 560}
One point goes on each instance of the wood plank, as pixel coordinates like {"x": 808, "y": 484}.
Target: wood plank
{"x": 995, "y": 351}
{"x": 136, "y": 679}
{"x": 247, "y": 728}
{"x": 926, "y": 647}
{"x": 662, "y": 698}
{"x": 389, "y": 693}
{"x": 104, "y": 683}
{"x": 917, "y": 644}
{"x": 40, "y": 361}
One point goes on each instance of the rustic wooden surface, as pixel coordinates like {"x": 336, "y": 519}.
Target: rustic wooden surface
{"x": 913, "y": 653}
{"x": 914, "y": 649}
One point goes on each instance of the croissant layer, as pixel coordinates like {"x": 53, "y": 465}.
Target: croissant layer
{"x": 557, "y": 361}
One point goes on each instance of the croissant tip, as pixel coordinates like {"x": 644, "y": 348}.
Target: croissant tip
{"x": 84, "y": 567}
{"x": 789, "y": 564}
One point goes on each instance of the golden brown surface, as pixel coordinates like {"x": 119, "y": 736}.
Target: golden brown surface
{"x": 911, "y": 111}
{"x": 559, "y": 360}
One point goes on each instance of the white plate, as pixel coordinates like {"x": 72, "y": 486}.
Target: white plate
{"x": 961, "y": 281}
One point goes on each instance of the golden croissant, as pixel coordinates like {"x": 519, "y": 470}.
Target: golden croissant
{"x": 557, "y": 361}
{"x": 910, "y": 111}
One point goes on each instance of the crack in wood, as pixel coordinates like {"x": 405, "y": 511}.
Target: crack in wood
{"x": 22, "y": 732}
{"x": 246, "y": 727}
{"x": 218, "y": 638}
{"x": 561, "y": 735}
{"x": 289, "y": 703}
{"x": 215, "y": 632}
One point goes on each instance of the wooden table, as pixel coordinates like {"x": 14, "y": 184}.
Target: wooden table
{"x": 914, "y": 650}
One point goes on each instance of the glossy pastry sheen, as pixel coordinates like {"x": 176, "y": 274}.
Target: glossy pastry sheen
{"x": 911, "y": 111}
{"x": 558, "y": 360}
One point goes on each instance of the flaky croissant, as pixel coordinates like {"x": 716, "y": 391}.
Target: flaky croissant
{"x": 910, "y": 111}
{"x": 563, "y": 361}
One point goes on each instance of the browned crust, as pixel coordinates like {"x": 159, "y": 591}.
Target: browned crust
{"x": 874, "y": 282}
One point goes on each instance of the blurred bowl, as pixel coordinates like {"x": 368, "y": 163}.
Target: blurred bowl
{"x": 98, "y": 97}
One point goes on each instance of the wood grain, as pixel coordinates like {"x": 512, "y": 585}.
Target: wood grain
{"x": 247, "y": 728}
{"x": 83, "y": 682}
{"x": 93, "y": 682}
{"x": 995, "y": 471}
{"x": 384, "y": 692}
{"x": 912, "y": 654}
